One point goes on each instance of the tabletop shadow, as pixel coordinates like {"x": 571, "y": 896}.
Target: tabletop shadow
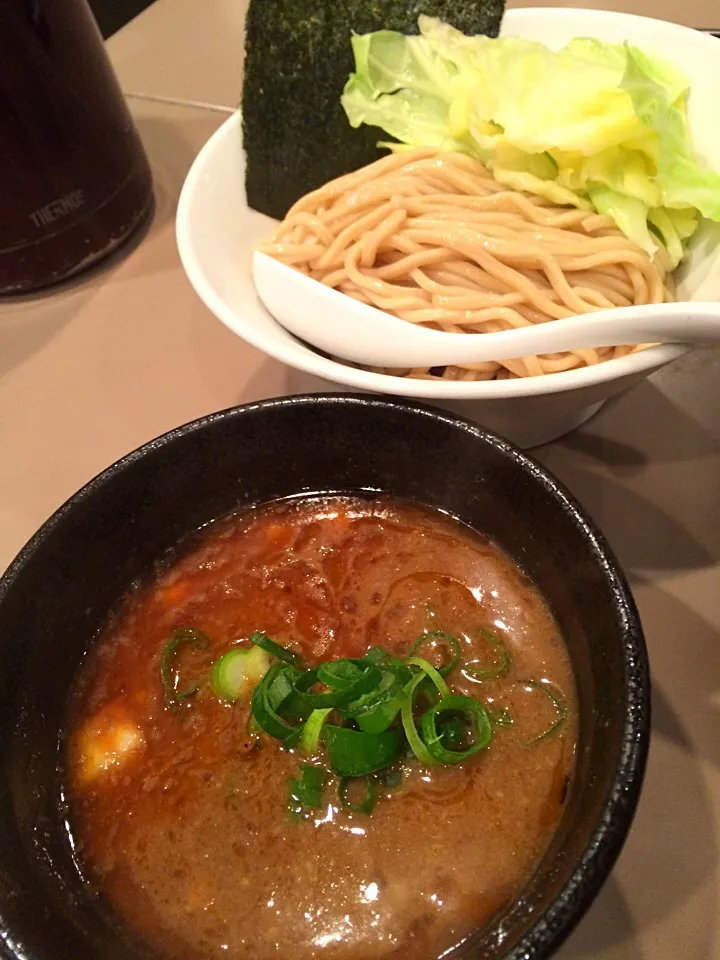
{"x": 644, "y": 534}
{"x": 684, "y": 650}
{"x": 668, "y": 871}
{"x": 28, "y": 323}
{"x": 607, "y": 922}
{"x": 665, "y": 433}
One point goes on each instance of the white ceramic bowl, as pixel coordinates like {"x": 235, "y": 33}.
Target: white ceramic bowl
{"x": 217, "y": 232}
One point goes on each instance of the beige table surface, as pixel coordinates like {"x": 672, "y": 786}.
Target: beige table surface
{"x": 88, "y": 374}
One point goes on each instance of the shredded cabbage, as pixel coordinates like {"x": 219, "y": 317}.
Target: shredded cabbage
{"x": 594, "y": 125}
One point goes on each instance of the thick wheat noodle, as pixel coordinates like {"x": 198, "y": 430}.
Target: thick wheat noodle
{"x": 347, "y": 213}
{"x": 472, "y": 276}
{"x": 514, "y": 278}
{"x": 470, "y": 318}
{"x": 610, "y": 282}
{"x": 371, "y": 195}
{"x": 465, "y": 183}
{"x": 431, "y": 237}
{"x": 509, "y": 226}
{"x": 593, "y": 295}
{"x": 324, "y": 196}
{"x": 532, "y": 316}
{"x": 407, "y": 265}
{"x": 377, "y": 237}
{"x": 465, "y": 300}
{"x": 518, "y": 252}
{"x": 518, "y": 203}
{"x": 639, "y": 285}
{"x": 617, "y": 299}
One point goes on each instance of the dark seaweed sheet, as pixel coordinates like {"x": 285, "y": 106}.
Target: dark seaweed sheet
{"x": 298, "y": 59}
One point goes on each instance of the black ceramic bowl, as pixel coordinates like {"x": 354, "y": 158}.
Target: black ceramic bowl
{"x": 59, "y": 591}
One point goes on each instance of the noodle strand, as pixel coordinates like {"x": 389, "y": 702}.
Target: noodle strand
{"x": 431, "y": 237}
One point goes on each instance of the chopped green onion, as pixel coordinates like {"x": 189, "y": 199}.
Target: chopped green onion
{"x": 380, "y": 717}
{"x": 341, "y": 674}
{"x": 272, "y": 691}
{"x": 235, "y": 674}
{"x": 454, "y": 729}
{"x": 501, "y": 717}
{"x": 432, "y": 739}
{"x": 306, "y": 790}
{"x": 376, "y": 654}
{"x": 408, "y": 721}
{"x": 417, "y": 745}
{"x": 431, "y": 638}
{"x": 430, "y": 670}
{"x": 348, "y": 680}
{"x": 173, "y": 696}
{"x": 376, "y": 710}
{"x": 297, "y": 706}
{"x": 557, "y": 701}
{"x": 388, "y": 681}
{"x": 368, "y": 693}
{"x": 354, "y": 753}
{"x": 282, "y": 685}
{"x": 263, "y": 641}
{"x": 501, "y": 663}
{"x": 368, "y": 802}
{"x": 310, "y": 736}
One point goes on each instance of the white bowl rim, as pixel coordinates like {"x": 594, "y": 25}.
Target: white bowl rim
{"x": 295, "y": 354}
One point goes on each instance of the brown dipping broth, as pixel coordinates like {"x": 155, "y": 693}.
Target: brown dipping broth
{"x": 190, "y": 835}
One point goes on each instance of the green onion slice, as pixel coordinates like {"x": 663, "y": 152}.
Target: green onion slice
{"x": 238, "y": 671}
{"x": 186, "y": 635}
{"x": 380, "y": 717}
{"x": 376, "y": 654}
{"x": 432, "y": 673}
{"x": 500, "y": 665}
{"x": 376, "y": 710}
{"x": 296, "y": 706}
{"x": 557, "y": 700}
{"x": 311, "y": 732}
{"x": 368, "y": 693}
{"x": 354, "y": 753}
{"x": 347, "y": 679}
{"x": 263, "y": 641}
{"x": 274, "y": 689}
{"x": 282, "y": 685}
{"x": 501, "y": 717}
{"x": 432, "y": 738}
{"x": 392, "y": 677}
{"x": 408, "y": 721}
{"x": 369, "y": 800}
{"x": 454, "y": 729}
{"x": 306, "y": 790}
{"x": 341, "y": 674}
{"x": 435, "y": 638}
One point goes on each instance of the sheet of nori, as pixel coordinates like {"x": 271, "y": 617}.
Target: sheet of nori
{"x": 298, "y": 59}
